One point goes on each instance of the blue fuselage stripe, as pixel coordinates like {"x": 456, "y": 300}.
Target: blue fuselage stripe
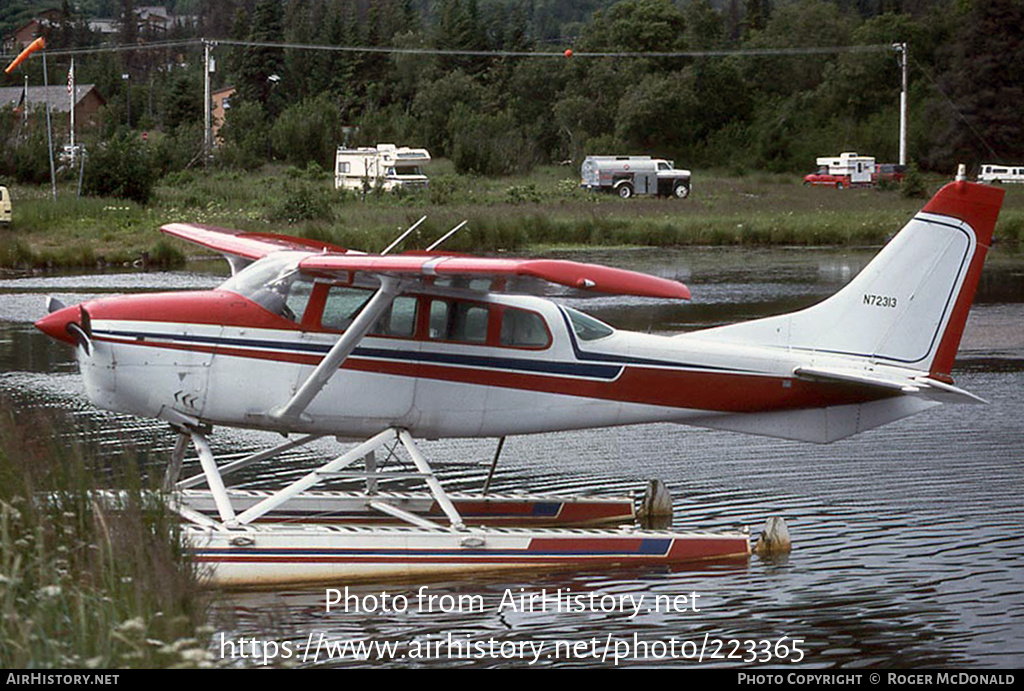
{"x": 575, "y": 369}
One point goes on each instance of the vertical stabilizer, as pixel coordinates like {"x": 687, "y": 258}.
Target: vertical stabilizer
{"x": 909, "y": 305}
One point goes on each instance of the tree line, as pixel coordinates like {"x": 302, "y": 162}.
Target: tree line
{"x": 497, "y": 114}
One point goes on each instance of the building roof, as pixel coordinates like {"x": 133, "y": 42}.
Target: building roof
{"x": 57, "y": 95}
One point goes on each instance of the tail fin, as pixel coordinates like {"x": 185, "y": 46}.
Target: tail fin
{"x": 909, "y": 305}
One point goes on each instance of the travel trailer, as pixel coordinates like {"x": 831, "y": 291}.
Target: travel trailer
{"x": 997, "y": 174}
{"x": 5, "y": 205}
{"x": 385, "y": 167}
{"x": 846, "y": 170}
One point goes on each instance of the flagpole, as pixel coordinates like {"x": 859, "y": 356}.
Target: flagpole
{"x": 24, "y": 104}
{"x": 49, "y": 129}
{"x": 71, "y": 93}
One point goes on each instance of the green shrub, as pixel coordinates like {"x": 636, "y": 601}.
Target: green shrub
{"x": 31, "y": 159}
{"x": 442, "y": 189}
{"x": 246, "y": 137}
{"x": 489, "y": 144}
{"x": 303, "y": 202}
{"x": 913, "y": 186}
{"x": 122, "y": 168}
{"x": 308, "y": 132}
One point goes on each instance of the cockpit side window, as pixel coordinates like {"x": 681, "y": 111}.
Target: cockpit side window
{"x": 399, "y": 320}
{"x": 343, "y": 304}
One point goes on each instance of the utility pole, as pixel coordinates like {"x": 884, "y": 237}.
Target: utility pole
{"x": 126, "y": 77}
{"x": 207, "y": 131}
{"x": 901, "y": 48}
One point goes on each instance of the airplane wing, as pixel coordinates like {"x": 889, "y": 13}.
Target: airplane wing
{"x": 591, "y": 277}
{"x": 241, "y": 248}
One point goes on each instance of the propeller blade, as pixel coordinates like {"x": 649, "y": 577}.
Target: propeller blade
{"x": 53, "y": 304}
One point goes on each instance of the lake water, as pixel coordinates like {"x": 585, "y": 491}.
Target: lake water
{"x": 908, "y": 540}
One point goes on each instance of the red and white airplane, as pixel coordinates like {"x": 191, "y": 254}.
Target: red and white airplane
{"x": 314, "y": 339}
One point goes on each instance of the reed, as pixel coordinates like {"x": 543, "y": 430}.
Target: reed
{"x": 82, "y": 584}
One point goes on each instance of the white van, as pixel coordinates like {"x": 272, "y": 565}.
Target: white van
{"x": 5, "y": 205}
{"x": 998, "y": 174}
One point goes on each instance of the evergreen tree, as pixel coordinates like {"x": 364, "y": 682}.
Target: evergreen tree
{"x": 986, "y": 86}
{"x": 262, "y": 67}
{"x": 755, "y": 17}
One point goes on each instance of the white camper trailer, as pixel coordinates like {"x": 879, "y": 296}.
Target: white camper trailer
{"x": 845, "y": 170}
{"x": 998, "y": 174}
{"x": 5, "y": 205}
{"x": 385, "y": 166}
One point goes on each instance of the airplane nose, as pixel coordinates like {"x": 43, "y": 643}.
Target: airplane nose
{"x": 69, "y": 324}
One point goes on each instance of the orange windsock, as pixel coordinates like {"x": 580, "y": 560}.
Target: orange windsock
{"x": 31, "y": 48}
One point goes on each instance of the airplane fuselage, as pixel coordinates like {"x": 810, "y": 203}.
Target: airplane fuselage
{"x": 219, "y": 358}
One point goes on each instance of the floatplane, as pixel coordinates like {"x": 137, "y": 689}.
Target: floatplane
{"x": 311, "y": 340}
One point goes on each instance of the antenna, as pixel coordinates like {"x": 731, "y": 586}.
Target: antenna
{"x": 403, "y": 236}
{"x": 447, "y": 235}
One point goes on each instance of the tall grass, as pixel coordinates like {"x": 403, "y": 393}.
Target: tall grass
{"x": 83, "y": 584}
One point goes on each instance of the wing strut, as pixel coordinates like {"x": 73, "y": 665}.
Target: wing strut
{"x": 361, "y": 325}
{"x": 401, "y": 237}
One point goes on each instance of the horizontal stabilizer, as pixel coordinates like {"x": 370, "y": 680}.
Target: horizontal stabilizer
{"x": 946, "y": 393}
{"x": 923, "y": 386}
{"x": 852, "y": 377}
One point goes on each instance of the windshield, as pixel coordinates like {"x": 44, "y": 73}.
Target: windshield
{"x": 586, "y": 327}
{"x": 274, "y": 283}
{"x": 406, "y": 170}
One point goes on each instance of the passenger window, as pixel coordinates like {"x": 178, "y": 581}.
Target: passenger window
{"x": 400, "y": 320}
{"x": 470, "y": 323}
{"x": 342, "y": 306}
{"x": 522, "y": 328}
{"x": 438, "y": 320}
{"x": 465, "y": 322}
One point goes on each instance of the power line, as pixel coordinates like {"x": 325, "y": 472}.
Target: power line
{"x": 952, "y": 106}
{"x": 547, "y": 54}
{"x": 119, "y": 48}
{"x": 739, "y": 52}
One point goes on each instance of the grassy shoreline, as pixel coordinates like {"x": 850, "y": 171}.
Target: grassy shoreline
{"x": 544, "y": 209}
{"x": 82, "y": 585}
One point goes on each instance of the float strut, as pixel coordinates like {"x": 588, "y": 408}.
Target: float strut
{"x": 213, "y": 479}
{"x": 494, "y": 465}
{"x": 177, "y": 458}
